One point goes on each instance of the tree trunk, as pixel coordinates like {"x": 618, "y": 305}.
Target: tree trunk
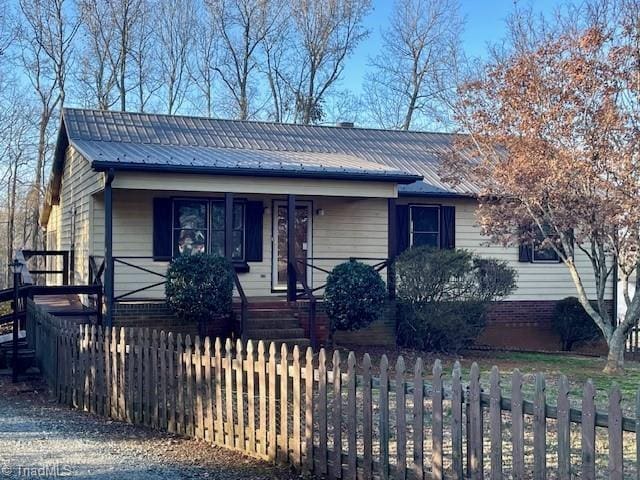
{"x": 35, "y": 208}
{"x": 615, "y": 357}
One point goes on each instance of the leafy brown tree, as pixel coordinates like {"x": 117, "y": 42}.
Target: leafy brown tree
{"x": 554, "y": 130}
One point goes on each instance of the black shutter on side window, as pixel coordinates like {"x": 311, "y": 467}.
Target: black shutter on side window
{"x": 448, "y": 230}
{"x": 253, "y": 232}
{"x": 402, "y": 228}
{"x": 525, "y": 250}
{"x": 162, "y": 215}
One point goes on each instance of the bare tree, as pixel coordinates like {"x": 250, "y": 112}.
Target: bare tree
{"x": 101, "y": 53}
{"x": 277, "y": 54}
{"x": 328, "y": 31}
{"x": 415, "y": 67}
{"x": 144, "y": 57}
{"x": 7, "y": 32}
{"x": 343, "y": 106}
{"x": 174, "y": 26}
{"x": 47, "y": 34}
{"x": 242, "y": 26}
{"x": 16, "y": 148}
{"x": 202, "y": 68}
{"x": 124, "y": 16}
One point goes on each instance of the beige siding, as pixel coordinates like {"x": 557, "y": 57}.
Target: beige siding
{"x": 536, "y": 281}
{"x": 348, "y": 227}
{"x": 78, "y": 184}
{"x": 53, "y": 243}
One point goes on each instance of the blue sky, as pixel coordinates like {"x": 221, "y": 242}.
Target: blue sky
{"x": 485, "y": 24}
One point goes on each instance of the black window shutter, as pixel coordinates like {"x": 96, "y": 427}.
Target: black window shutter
{"x": 402, "y": 228}
{"x": 447, "y": 227}
{"x": 525, "y": 252}
{"x": 162, "y": 216}
{"x": 253, "y": 232}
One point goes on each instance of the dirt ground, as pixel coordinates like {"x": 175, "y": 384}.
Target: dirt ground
{"x": 41, "y": 439}
{"x": 577, "y": 368}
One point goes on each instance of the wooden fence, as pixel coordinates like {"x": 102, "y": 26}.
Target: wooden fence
{"x": 333, "y": 418}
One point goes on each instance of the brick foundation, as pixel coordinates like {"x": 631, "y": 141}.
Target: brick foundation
{"x": 524, "y": 325}
{"x": 381, "y": 333}
{"x": 322, "y": 322}
{"x": 141, "y": 308}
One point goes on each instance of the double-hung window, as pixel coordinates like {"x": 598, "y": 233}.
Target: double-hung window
{"x": 543, "y": 253}
{"x": 199, "y": 227}
{"x": 425, "y": 225}
{"x": 536, "y": 250}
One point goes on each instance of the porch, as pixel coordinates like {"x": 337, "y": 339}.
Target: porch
{"x": 280, "y": 272}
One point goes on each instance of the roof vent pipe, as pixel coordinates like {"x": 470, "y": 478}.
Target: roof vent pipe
{"x": 345, "y": 124}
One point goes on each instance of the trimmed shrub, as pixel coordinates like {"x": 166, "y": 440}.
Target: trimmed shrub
{"x": 574, "y": 325}
{"x": 354, "y": 296}
{"x": 443, "y": 296}
{"x": 200, "y": 287}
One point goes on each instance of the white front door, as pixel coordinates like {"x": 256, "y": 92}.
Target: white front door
{"x": 303, "y": 236}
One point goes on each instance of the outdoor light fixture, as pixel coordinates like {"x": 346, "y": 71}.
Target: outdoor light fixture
{"x": 320, "y": 212}
{"x": 15, "y": 266}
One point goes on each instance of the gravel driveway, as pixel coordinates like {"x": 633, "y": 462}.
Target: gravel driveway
{"x": 39, "y": 439}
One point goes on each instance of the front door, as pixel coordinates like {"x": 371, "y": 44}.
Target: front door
{"x": 303, "y": 237}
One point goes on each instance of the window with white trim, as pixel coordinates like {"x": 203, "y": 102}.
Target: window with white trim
{"x": 425, "y": 225}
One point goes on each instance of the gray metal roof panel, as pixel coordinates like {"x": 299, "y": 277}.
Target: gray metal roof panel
{"x": 171, "y": 141}
{"x": 221, "y": 158}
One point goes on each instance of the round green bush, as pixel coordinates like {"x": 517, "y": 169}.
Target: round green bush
{"x": 574, "y": 325}
{"x": 200, "y": 286}
{"x": 354, "y": 296}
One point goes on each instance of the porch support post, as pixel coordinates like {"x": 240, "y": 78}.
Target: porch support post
{"x": 228, "y": 225}
{"x": 292, "y": 280}
{"x": 392, "y": 243}
{"x": 108, "y": 249}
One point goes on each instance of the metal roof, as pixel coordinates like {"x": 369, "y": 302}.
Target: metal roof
{"x": 144, "y": 141}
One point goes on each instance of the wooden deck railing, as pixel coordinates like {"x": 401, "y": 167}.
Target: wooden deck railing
{"x": 65, "y": 257}
{"x": 339, "y": 419}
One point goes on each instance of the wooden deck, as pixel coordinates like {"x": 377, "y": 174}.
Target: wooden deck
{"x": 63, "y": 303}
